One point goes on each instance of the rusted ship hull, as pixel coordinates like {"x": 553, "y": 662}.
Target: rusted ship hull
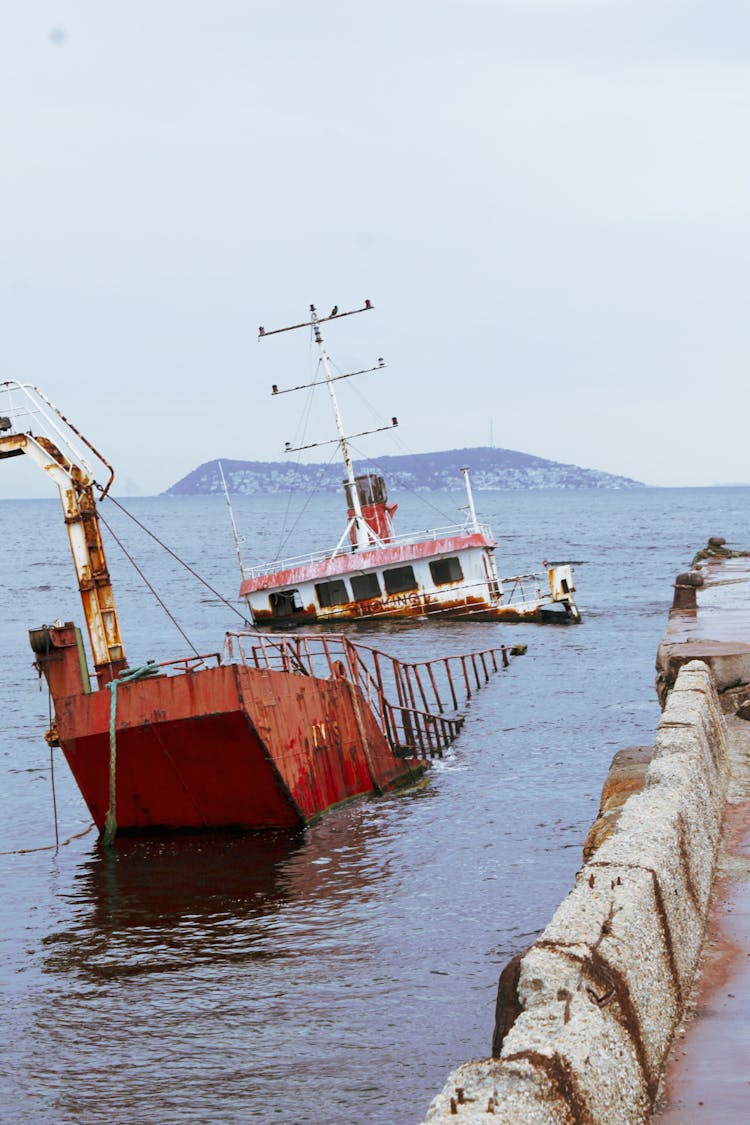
{"x": 423, "y": 605}
{"x": 217, "y": 748}
{"x": 268, "y": 734}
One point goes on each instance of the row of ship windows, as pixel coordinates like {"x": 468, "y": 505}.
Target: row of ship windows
{"x": 397, "y": 580}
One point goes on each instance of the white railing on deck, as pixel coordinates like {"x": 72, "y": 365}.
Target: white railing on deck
{"x": 345, "y": 551}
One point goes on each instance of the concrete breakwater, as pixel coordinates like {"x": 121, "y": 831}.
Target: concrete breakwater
{"x": 587, "y": 1015}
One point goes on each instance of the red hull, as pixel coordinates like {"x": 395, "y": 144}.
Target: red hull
{"x": 224, "y": 747}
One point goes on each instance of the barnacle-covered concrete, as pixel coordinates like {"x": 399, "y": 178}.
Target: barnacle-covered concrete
{"x": 601, "y": 994}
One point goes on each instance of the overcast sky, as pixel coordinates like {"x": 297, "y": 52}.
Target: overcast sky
{"x": 545, "y": 200}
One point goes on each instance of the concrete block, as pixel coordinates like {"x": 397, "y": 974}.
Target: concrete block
{"x": 495, "y": 1093}
{"x": 626, "y": 776}
{"x": 604, "y": 986}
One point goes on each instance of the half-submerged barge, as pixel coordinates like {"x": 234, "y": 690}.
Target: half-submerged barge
{"x": 373, "y": 574}
{"x": 269, "y": 733}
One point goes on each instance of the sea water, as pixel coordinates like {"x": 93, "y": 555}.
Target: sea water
{"x": 336, "y": 975}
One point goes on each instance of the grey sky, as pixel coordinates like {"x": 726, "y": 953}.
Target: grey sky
{"x": 546, "y": 201}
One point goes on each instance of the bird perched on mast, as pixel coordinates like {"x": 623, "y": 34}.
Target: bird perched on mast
{"x": 334, "y": 310}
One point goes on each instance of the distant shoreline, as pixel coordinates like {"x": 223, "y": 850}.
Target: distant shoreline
{"x": 502, "y": 470}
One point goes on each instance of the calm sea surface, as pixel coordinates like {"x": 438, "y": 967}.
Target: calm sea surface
{"x": 339, "y": 975}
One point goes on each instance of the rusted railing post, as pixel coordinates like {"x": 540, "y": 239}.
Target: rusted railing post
{"x": 410, "y": 686}
{"x": 405, "y": 717}
{"x": 353, "y": 660}
{"x": 435, "y": 691}
{"x": 406, "y": 726}
{"x": 378, "y": 678}
{"x": 419, "y": 730}
{"x": 426, "y": 724}
{"x": 450, "y": 683}
{"x": 417, "y": 677}
{"x": 327, "y": 654}
{"x": 466, "y": 677}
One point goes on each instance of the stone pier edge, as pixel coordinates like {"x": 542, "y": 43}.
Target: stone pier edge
{"x": 604, "y": 987}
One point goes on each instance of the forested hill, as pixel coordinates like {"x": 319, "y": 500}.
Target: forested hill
{"x": 421, "y": 472}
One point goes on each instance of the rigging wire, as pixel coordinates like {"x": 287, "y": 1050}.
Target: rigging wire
{"x": 143, "y": 578}
{"x": 298, "y": 439}
{"x": 175, "y": 556}
{"x": 398, "y": 441}
{"x": 353, "y": 389}
{"x": 313, "y": 492}
{"x": 300, "y": 434}
{"x": 365, "y": 462}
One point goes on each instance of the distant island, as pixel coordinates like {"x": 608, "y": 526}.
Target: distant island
{"x": 416, "y": 472}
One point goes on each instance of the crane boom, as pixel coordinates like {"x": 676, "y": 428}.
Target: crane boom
{"x": 56, "y": 453}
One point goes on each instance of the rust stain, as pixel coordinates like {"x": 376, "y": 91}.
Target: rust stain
{"x": 401, "y": 605}
{"x": 561, "y": 1077}
{"x": 611, "y": 984}
{"x": 661, "y": 910}
{"x": 707, "y": 1077}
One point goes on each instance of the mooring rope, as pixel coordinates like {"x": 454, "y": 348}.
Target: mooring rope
{"x": 126, "y": 677}
{"x": 51, "y": 847}
{"x": 52, "y": 763}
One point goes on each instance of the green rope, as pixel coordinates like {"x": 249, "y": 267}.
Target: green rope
{"x": 125, "y": 677}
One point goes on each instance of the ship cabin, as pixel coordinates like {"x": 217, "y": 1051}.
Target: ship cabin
{"x": 450, "y": 571}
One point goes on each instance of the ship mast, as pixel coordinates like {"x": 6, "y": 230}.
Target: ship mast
{"x": 470, "y": 496}
{"x": 364, "y": 536}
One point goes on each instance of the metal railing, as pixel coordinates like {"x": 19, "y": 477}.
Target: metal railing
{"x": 416, "y": 704}
{"x": 397, "y": 540}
